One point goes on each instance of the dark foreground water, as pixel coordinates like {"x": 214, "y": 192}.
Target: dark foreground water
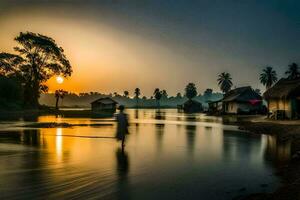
{"x": 168, "y": 155}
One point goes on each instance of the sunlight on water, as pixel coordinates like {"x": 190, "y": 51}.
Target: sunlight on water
{"x": 168, "y": 155}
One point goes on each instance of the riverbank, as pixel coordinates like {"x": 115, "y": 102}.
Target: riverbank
{"x": 290, "y": 173}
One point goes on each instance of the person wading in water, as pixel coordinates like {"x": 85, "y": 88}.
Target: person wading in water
{"x": 122, "y": 125}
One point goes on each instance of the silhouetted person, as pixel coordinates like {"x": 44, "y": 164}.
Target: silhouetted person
{"x": 122, "y": 125}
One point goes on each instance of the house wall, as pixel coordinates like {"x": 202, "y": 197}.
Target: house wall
{"x": 281, "y": 104}
{"x": 235, "y": 107}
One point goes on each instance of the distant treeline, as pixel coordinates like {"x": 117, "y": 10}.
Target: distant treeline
{"x": 84, "y": 99}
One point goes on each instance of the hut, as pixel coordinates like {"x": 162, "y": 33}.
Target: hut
{"x": 242, "y": 100}
{"x": 284, "y": 99}
{"x": 192, "y": 106}
{"x": 215, "y": 107}
{"x": 104, "y": 105}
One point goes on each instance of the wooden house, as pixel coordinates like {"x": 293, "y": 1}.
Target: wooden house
{"x": 284, "y": 99}
{"x": 104, "y": 105}
{"x": 242, "y": 100}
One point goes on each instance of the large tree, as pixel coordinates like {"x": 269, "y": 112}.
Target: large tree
{"x": 39, "y": 58}
{"x": 268, "y": 77}
{"x": 293, "y": 71}
{"x": 225, "y": 82}
{"x": 157, "y": 95}
{"x": 190, "y": 91}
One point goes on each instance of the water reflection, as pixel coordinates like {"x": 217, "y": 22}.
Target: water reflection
{"x": 239, "y": 145}
{"x": 190, "y": 134}
{"x": 277, "y": 151}
{"x": 42, "y": 163}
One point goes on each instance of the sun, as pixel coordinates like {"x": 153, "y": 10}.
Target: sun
{"x": 59, "y": 79}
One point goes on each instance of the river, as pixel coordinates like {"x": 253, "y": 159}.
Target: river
{"x": 168, "y": 155}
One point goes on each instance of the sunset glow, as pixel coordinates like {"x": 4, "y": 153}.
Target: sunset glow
{"x": 59, "y": 80}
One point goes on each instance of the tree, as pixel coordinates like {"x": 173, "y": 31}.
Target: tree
{"x": 268, "y": 77}
{"x": 39, "y": 59}
{"x": 190, "y": 91}
{"x": 9, "y": 64}
{"x": 224, "y": 81}
{"x": 59, "y": 94}
{"x": 164, "y": 94}
{"x": 178, "y": 95}
{"x": 137, "y": 93}
{"x": 157, "y": 95}
{"x": 293, "y": 71}
{"x": 126, "y": 93}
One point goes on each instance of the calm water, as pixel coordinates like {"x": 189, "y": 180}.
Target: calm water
{"x": 168, "y": 155}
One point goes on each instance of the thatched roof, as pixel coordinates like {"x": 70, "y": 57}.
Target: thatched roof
{"x": 105, "y": 100}
{"x": 241, "y": 94}
{"x": 284, "y": 88}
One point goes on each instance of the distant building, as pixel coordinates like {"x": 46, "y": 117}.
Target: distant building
{"x": 104, "y": 104}
{"x": 242, "y": 100}
{"x": 192, "y": 106}
{"x": 284, "y": 99}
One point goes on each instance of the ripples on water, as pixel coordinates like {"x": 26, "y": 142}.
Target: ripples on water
{"x": 168, "y": 155}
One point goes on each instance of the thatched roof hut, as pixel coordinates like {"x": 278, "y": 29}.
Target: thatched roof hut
{"x": 284, "y": 98}
{"x": 104, "y": 104}
{"x": 242, "y": 100}
{"x": 192, "y": 106}
{"x": 242, "y": 94}
{"x": 284, "y": 88}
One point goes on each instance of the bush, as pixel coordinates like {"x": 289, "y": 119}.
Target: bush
{"x": 10, "y": 93}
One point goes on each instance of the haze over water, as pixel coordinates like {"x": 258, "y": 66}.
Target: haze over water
{"x": 168, "y": 155}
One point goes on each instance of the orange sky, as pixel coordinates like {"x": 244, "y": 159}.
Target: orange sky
{"x": 116, "y": 46}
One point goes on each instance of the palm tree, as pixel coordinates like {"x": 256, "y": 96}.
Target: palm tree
{"x": 190, "y": 91}
{"x": 137, "y": 93}
{"x": 293, "y": 71}
{"x": 224, "y": 81}
{"x": 157, "y": 95}
{"x": 59, "y": 94}
{"x": 268, "y": 77}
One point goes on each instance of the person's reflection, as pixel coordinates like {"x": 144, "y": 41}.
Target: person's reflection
{"x": 190, "y": 133}
{"x": 122, "y": 172}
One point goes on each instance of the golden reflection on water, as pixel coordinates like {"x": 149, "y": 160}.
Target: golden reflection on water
{"x": 165, "y": 152}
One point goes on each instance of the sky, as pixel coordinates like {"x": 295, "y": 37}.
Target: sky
{"x": 117, "y": 45}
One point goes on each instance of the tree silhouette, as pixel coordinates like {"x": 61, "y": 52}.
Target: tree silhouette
{"x": 224, "y": 81}
{"x": 137, "y": 93}
{"x": 10, "y": 64}
{"x": 268, "y": 77}
{"x": 126, "y": 93}
{"x": 293, "y": 71}
{"x": 39, "y": 59}
{"x": 190, "y": 91}
{"x": 164, "y": 94}
{"x": 59, "y": 94}
{"x": 157, "y": 95}
{"x": 178, "y": 95}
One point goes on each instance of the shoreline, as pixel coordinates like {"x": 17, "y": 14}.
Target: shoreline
{"x": 290, "y": 172}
